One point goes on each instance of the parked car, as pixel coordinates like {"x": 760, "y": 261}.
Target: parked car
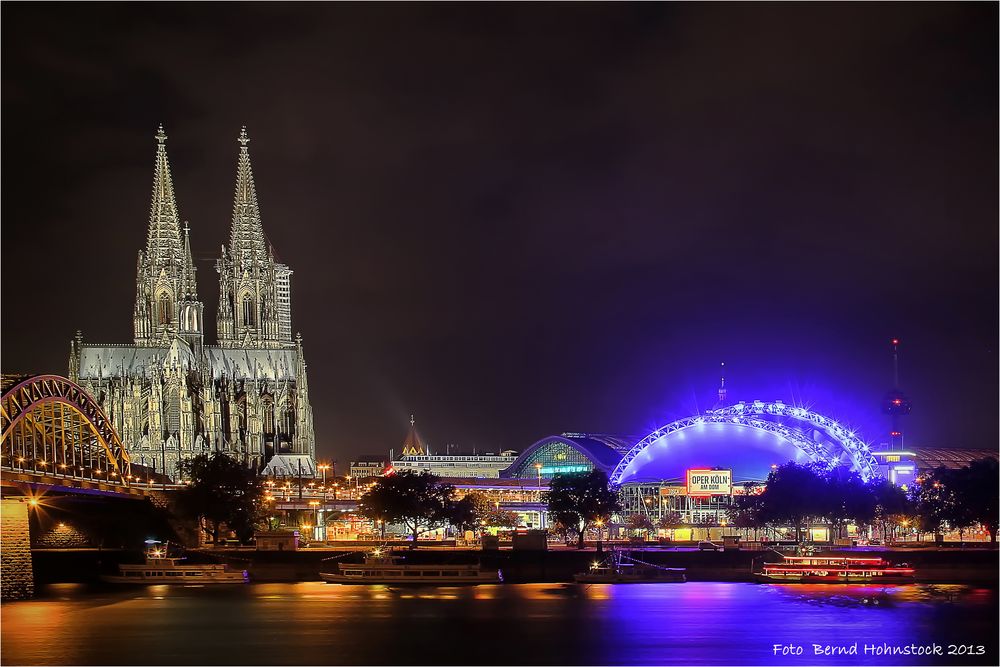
{"x": 709, "y": 546}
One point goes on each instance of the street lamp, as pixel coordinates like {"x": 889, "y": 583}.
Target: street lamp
{"x": 324, "y": 467}
{"x": 600, "y": 533}
{"x": 315, "y": 505}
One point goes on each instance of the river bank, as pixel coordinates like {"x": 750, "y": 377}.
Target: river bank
{"x": 979, "y": 567}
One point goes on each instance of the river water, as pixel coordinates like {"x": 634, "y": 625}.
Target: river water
{"x": 633, "y": 624}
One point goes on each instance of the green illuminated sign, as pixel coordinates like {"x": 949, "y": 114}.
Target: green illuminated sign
{"x": 552, "y": 470}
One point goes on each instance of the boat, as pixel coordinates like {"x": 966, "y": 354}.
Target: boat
{"x": 382, "y": 566}
{"x": 619, "y": 568}
{"x": 833, "y": 569}
{"x": 161, "y": 568}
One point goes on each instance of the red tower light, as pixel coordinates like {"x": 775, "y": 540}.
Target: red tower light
{"x": 895, "y": 341}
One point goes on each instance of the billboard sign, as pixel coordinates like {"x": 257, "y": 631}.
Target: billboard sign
{"x": 705, "y": 482}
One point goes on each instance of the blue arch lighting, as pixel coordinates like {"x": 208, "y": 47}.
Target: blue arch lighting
{"x": 793, "y": 424}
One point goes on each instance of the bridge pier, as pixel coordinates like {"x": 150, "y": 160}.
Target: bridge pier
{"x": 17, "y": 578}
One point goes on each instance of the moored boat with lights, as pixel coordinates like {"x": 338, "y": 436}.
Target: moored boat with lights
{"x": 829, "y": 569}
{"x": 382, "y": 566}
{"x": 160, "y": 568}
{"x": 619, "y": 568}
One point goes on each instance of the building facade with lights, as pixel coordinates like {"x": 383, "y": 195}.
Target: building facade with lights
{"x": 417, "y": 457}
{"x": 483, "y": 466}
{"x": 695, "y": 466}
{"x": 367, "y": 466}
{"x": 171, "y": 396}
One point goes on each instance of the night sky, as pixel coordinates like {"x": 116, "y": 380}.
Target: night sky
{"x": 517, "y": 220}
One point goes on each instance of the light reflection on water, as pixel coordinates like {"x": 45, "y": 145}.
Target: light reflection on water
{"x": 316, "y": 623}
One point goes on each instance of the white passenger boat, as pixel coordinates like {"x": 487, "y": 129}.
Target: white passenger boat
{"x": 160, "y": 568}
{"x": 384, "y": 567}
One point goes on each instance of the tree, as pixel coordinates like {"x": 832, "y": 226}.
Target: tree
{"x": 792, "y": 494}
{"x": 419, "y": 501}
{"x": 934, "y": 497}
{"x": 580, "y": 499}
{"x": 890, "y": 505}
{"x": 979, "y": 494}
{"x": 561, "y": 526}
{"x": 463, "y": 514}
{"x": 670, "y": 519}
{"x": 489, "y": 512}
{"x": 745, "y": 510}
{"x": 222, "y": 491}
{"x": 639, "y": 522}
{"x": 844, "y": 498}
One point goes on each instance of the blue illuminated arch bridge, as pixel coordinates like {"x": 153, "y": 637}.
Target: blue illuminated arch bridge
{"x": 749, "y": 438}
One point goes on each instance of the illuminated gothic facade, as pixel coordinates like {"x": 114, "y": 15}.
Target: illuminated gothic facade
{"x": 169, "y": 394}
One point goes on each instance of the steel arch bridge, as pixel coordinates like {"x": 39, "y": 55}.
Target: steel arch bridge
{"x": 822, "y": 439}
{"x": 52, "y": 425}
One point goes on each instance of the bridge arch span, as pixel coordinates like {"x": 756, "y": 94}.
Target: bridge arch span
{"x": 50, "y": 420}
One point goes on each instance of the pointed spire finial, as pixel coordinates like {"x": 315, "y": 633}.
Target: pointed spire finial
{"x": 244, "y": 139}
{"x": 412, "y": 421}
{"x": 186, "y": 228}
{"x": 161, "y": 136}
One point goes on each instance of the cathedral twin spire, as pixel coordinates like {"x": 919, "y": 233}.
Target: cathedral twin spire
{"x": 246, "y": 237}
{"x": 166, "y": 300}
{"x": 163, "y": 242}
{"x": 254, "y": 309}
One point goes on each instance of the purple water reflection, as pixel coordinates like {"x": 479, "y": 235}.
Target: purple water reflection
{"x": 697, "y": 623}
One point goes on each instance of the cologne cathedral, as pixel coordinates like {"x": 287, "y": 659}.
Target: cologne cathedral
{"x": 171, "y": 396}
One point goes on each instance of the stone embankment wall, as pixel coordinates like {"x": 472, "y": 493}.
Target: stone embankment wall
{"x": 17, "y": 580}
{"x": 62, "y": 535}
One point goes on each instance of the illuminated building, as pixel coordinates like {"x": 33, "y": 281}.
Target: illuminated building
{"x": 483, "y": 466}
{"x": 903, "y": 466}
{"x": 417, "y": 458}
{"x": 743, "y": 440}
{"x": 368, "y": 465}
{"x": 568, "y": 453}
{"x": 171, "y": 396}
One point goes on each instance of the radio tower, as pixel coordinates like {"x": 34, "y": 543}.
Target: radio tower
{"x": 896, "y": 404}
{"x": 722, "y": 386}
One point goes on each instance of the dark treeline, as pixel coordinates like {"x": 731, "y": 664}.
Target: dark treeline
{"x": 942, "y": 499}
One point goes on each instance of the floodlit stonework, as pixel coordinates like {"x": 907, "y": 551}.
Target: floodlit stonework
{"x": 171, "y": 396}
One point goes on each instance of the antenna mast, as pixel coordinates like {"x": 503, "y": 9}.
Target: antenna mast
{"x": 896, "y": 404}
{"x": 722, "y": 386}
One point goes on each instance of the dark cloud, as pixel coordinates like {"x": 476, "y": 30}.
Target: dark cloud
{"x": 520, "y": 219}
